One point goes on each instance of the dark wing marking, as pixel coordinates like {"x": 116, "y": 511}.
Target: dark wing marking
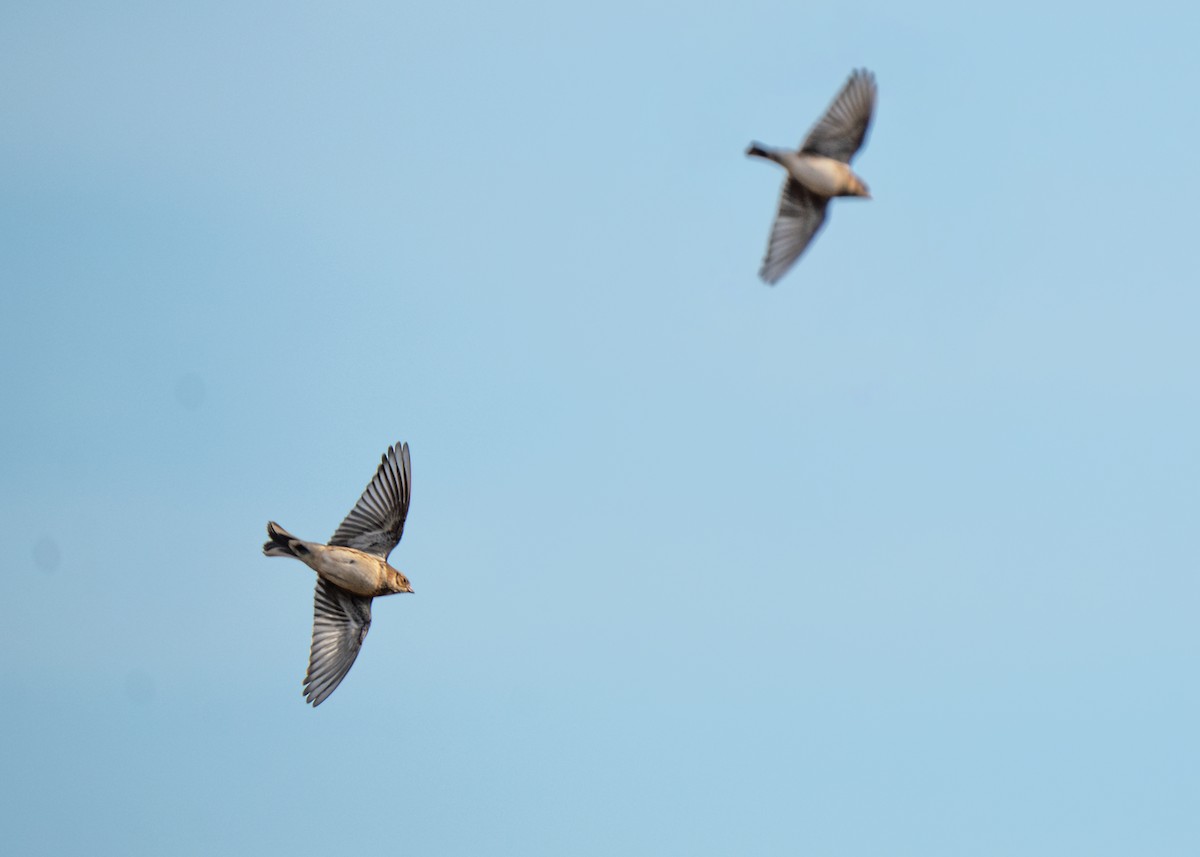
{"x": 340, "y": 623}
{"x": 801, "y": 214}
{"x": 376, "y": 522}
{"x": 841, "y": 131}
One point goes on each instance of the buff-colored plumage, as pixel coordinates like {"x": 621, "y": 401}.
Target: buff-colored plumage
{"x": 817, "y": 172}
{"x": 351, "y": 570}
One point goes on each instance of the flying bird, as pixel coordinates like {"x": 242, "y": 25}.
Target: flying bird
{"x": 351, "y": 570}
{"x": 819, "y": 171}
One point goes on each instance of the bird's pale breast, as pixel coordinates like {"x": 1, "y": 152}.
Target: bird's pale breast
{"x": 352, "y": 570}
{"x": 817, "y": 173}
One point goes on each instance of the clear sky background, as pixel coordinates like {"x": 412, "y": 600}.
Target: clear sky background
{"x": 899, "y": 557}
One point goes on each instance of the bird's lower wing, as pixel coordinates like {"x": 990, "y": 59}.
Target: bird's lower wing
{"x": 340, "y": 623}
{"x": 801, "y": 214}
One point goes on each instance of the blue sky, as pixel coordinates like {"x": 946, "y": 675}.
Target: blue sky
{"x": 895, "y": 558}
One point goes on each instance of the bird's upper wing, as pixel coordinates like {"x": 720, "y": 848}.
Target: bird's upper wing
{"x": 340, "y": 623}
{"x": 376, "y": 522}
{"x": 801, "y": 213}
{"x": 841, "y": 131}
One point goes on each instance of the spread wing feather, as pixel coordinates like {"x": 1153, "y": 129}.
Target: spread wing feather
{"x": 841, "y": 131}
{"x": 376, "y": 522}
{"x": 801, "y": 214}
{"x": 340, "y": 623}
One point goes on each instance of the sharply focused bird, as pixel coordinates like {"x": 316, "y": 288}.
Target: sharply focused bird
{"x": 351, "y": 570}
{"x": 819, "y": 171}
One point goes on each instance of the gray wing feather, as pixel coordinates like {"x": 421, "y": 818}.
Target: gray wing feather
{"x": 801, "y": 214}
{"x": 376, "y": 522}
{"x": 340, "y": 623}
{"x": 842, "y": 129}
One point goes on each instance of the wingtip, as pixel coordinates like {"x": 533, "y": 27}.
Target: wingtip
{"x": 867, "y": 77}
{"x": 398, "y": 451}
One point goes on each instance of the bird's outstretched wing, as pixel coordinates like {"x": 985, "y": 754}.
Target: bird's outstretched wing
{"x": 801, "y": 214}
{"x": 376, "y": 522}
{"x": 340, "y": 623}
{"x": 841, "y": 131}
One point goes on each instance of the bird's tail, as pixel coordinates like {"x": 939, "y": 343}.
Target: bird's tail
{"x": 282, "y": 542}
{"x": 758, "y": 150}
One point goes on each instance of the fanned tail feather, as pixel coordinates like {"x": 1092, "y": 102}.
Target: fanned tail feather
{"x": 282, "y": 542}
{"x": 756, "y": 150}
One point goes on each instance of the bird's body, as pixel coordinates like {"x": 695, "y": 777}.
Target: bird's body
{"x": 817, "y": 172}
{"x": 351, "y": 571}
{"x": 823, "y": 176}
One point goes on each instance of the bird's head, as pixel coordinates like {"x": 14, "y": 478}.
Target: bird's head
{"x": 399, "y": 582}
{"x": 857, "y": 187}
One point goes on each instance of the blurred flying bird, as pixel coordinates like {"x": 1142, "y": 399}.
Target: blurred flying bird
{"x": 351, "y": 570}
{"x": 817, "y": 172}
